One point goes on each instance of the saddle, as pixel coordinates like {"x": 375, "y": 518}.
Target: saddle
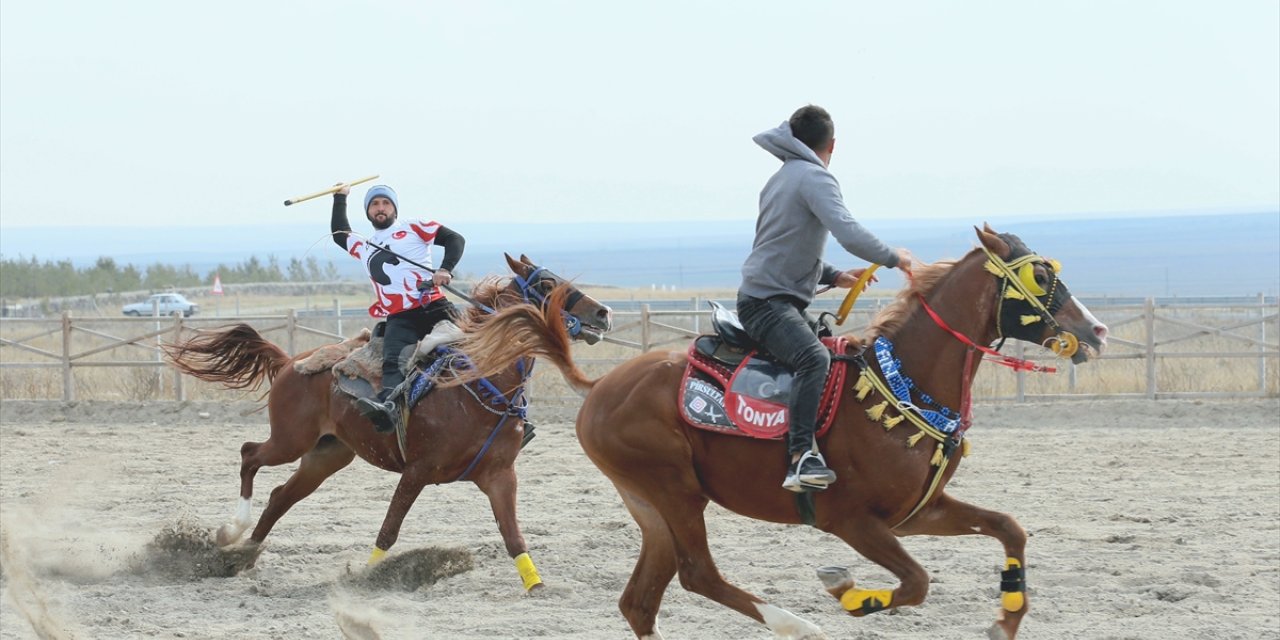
{"x": 732, "y": 386}
{"x": 356, "y": 363}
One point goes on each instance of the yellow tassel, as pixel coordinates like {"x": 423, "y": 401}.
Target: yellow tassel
{"x": 911, "y": 442}
{"x": 862, "y": 386}
{"x": 1013, "y": 294}
{"x": 878, "y": 410}
{"x": 1026, "y": 320}
{"x": 937, "y": 456}
{"x": 964, "y": 448}
{"x": 992, "y": 268}
{"x": 890, "y": 423}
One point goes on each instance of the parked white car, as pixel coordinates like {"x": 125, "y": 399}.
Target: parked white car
{"x": 168, "y": 303}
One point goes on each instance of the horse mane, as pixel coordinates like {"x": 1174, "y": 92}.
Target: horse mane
{"x": 494, "y": 341}
{"x": 486, "y": 292}
{"x": 924, "y": 279}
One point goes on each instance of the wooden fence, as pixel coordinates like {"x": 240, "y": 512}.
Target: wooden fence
{"x": 1235, "y": 341}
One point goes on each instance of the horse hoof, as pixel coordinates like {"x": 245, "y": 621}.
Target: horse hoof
{"x": 836, "y": 580}
{"x": 228, "y": 534}
{"x": 996, "y": 633}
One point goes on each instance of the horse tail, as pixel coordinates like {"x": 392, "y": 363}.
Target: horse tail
{"x": 495, "y": 341}
{"x": 236, "y": 356}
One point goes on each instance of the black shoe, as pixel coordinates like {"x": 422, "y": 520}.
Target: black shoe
{"x": 528, "y": 434}
{"x": 384, "y": 414}
{"x": 809, "y": 473}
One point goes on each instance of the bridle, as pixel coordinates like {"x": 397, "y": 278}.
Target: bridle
{"x": 528, "y": 286}
{"x": 1019, "y": 284}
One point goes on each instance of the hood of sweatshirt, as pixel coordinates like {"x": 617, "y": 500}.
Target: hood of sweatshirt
{"x": 784, "y": 146}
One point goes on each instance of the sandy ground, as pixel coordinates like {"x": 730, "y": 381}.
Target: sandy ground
{"x": 1147, "y": 520}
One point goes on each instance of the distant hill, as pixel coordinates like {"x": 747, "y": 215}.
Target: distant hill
{"x": 1191, "y": 255}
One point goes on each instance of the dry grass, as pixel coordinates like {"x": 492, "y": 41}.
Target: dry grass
{"x": 1122, "y": 371}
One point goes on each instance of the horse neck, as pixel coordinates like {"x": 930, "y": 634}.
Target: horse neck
{"x": 930, "y": 355}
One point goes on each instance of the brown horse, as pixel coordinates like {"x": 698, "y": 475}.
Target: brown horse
{"x": 666, "y": 471}
{"x": 449, "y": 434}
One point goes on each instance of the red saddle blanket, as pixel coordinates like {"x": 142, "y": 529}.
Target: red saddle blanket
{"x": 751, "y": 400}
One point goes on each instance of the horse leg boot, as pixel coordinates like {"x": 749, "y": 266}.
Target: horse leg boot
{"x": 500, "y": 486}
{"x": 877, "y": 543}
{"x": 405, "y": 495}
{"x": 950, "y": 517}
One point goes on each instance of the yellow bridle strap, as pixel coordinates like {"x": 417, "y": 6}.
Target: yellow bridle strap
{"x": 1009, "y": 271}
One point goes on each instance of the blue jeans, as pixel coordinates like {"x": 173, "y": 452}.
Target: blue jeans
{"x": 780, "y": 326}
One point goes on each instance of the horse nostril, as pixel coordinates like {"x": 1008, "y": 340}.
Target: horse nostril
{"x": 1100, "y": 330}
{"x": 605, "y": 316}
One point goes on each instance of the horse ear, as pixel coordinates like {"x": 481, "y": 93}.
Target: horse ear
{"x": 986, "y": 227}
{"x": 525, "y": 259}
{"x": 516, "y": 267}
{"x": 991, "y": 241}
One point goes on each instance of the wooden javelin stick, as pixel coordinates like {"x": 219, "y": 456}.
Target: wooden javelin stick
{"x": 328, "y": 191}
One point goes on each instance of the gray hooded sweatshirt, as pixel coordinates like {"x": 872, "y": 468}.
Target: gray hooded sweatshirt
{"x": 798, "y": 206}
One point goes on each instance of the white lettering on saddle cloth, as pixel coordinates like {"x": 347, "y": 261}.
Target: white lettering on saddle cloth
{"x": 758, "y": 418}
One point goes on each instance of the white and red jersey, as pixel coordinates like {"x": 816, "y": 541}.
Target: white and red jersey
{"x": 395, "y": 281}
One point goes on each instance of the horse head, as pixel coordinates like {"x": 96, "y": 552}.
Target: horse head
{"x": 1034, "y": 304}
{"x": 585, "y": 318}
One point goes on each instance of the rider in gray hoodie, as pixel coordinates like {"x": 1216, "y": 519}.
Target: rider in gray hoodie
{"x": 799, "y": 205}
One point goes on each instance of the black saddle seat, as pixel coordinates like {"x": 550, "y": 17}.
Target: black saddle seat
{"x": 729, "y": 328}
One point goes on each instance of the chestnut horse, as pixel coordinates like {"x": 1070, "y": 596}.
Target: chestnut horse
{"x": 449, "y": 433}
{"x": 666, "y": 471}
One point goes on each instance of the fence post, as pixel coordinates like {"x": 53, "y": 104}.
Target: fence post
{"x": 697, "y": 319}
{"x": 292, "y": 323}
{"x": 1262, "y": 342}
{"x": 644, "y": 328}
{"x": 179, "y": 390}
{"x": 68, "y": 383}
{"x": 1021, "y": 394}
{"x": 1149, "y": 321}
{"x": 337, "y": 315}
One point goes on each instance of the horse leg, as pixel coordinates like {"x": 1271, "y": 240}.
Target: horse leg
{"x": 500, "y": 486}
{"x": 877, "y": 543}
{"x": 950, "y": 517}
{"x": 254, "y": 456}
{"x": 680, "y": 504}
{"x": 405, "y": 495}
{"x": 654, "y": 568}
{"x": 324, "y": 460}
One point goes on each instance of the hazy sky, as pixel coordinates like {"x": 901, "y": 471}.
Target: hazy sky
{"x": 179, "y": 113}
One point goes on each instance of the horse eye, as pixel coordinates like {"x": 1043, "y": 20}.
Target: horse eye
{"x": 1041, "y": 278}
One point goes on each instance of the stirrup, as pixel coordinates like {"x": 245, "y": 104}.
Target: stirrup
{"x": 799, "y": 481}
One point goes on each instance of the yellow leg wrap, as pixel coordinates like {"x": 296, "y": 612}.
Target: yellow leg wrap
{"x": 868, "y": 600}
{"x": 1012, "y": 600}
{"x": 528, "y": 572}
{"x": 376, "y": 556}
{"x": 964, "y": 448}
